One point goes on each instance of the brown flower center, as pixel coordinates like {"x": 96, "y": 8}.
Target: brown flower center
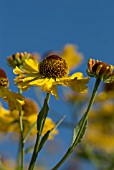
{"x": 53, "y": 66}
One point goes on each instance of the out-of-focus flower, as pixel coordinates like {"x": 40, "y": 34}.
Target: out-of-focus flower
{"x": 71, "y": 55}
{"x": 9, "y": 120}
{"x": 14, "y": 100}
{"x": 100, "y": 133}
{"x": 100, "y": 70}
{"x": 10, "y": 164}
{"x": 107, "y": 94}
{"x": 76, "y": 98}
{"x": 49, "y": 73}
{"x": 19, "y": 58}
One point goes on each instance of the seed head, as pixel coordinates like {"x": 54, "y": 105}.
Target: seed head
{"x": 53, "y": 66}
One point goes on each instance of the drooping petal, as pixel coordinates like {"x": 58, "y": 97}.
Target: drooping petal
{"x": 54, "y": 91}
{"x": 79, "y": 85}
{"x": 14, "y": 100}
{"x": 47, "y": 85}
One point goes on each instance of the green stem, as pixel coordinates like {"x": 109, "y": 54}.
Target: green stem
{"x": 18, "y": 157}
{"x": 39, "y": 132}
{"x": 84, "y": 119}
{"x": 21, "y": 136}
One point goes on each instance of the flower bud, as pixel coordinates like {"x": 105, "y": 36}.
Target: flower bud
{"x": 19, "y": 58}
{"x": 101, "y": 70}
{"x": 3, "y": 78}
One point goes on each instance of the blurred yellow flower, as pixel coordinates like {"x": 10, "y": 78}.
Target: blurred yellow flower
{"x": 14, "y": 99}
{"x": 107, "y": 94}
{"x": 71, "y": 55}
{"x": 49, "y": 73}
{"x": 100, "y": 133}
{"x": 9, "y": 120}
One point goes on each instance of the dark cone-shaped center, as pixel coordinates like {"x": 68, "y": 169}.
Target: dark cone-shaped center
{"x": 53, "y": 66}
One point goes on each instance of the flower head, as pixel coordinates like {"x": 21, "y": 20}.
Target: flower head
{"x": 19, "y": 58}
{"x": 100, "y": 70}
{"x": 14, "y": 100}
{"x": 53, "y": 66}
{"x": 49, "y": 73}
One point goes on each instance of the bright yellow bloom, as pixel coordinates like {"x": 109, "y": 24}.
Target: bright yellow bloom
{"x": 49, "y": 73}
{"x": 100, "y": 133}
{"x": 14, "y": 100}
{"x": 9, "y": 121}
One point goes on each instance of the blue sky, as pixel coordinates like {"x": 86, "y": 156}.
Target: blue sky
{"x": 43, "y": 25}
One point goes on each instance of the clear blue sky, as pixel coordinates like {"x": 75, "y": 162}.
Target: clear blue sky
{"x": 42, "y": 25}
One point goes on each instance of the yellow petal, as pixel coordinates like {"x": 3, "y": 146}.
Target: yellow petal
{"x": 54, "y": 91}
{"x": 79, "y": 75}
{"x": 47, "y": 85}
{"x": 17, "y": 71}
{"x": 30, "y": 66}
{"x": 79, "y": 85}
{"x": 14, "y": 99}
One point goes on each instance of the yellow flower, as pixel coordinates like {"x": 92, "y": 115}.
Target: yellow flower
{"x": 71, "y": 56}
{"x": 14, "y": 100}
{"x": 9, "y": 120}
{"x": 100, "y": 133}
{"x": 49, "y": 73}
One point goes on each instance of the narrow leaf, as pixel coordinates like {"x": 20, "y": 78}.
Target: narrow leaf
{"x": 45, "y": 137}
{"x": 29, "y": 131}
{"x": 79, "y": 131}
{"x": 42, "y": 115}
{"x": 29, "y": 149}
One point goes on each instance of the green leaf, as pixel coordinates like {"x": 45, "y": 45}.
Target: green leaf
{"x": 79, "y": 131}
{"x": 45, "y": 137}
{"x": 28, "y": 132}
{"x": 29, "y": 149}
{"x": 42, "y": 116}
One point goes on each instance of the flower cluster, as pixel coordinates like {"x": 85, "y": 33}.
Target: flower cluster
{"x": 23, "y": 117}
